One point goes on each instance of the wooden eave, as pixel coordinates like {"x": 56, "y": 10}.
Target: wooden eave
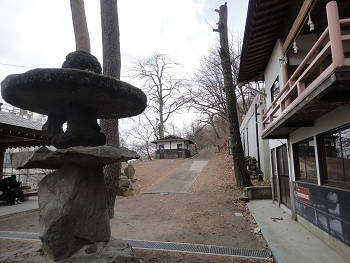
{"x": 172, "y": 139}
{"x": 14, "y": 136}
{"x": 263, "y": 27}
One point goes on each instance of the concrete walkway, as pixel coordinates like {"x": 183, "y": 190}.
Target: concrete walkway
{"x": 27, "y": 205}
{"x": 181, "y": 180}
{"x": 288, "y": 240}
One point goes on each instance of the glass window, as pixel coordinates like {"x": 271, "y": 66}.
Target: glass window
{"x": 275, "y": 89}
{"x": 335, "y": 150}
{"x": 305, "y": 161}
{"x": 345, "y": 139}
{"x": 333, "y": 154}
{"x": 161, "y": 146}
{"x": 179, "y": 146}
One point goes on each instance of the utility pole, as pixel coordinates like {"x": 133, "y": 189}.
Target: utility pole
{"x": 240, "y": 167}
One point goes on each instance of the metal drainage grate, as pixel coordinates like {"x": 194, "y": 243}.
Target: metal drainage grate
{"x": 166, "y": 246}
{"x": 199, "y": 248}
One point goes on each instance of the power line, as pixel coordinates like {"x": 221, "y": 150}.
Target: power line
{"x": 14, "y": 65}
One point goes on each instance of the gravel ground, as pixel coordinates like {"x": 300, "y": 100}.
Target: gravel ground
{"x": 205, "y": 215}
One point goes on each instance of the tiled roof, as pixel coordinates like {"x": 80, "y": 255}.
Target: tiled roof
{"x": 172, "y": 138}
{"x": 14, "y": 120}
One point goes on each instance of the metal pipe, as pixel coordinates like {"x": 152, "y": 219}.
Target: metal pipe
{"x": 257, "y": 139}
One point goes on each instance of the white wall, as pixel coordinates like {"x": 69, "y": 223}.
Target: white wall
{"x": 172, "y": 145}
{"x": 272, "y": 70}
{"x": 248, "y": 134}
{"x": 338, "y": 117}
{"x": 276, "y": 143}
{"x": 304, "y": 44}
{"x": 166, "y": 145}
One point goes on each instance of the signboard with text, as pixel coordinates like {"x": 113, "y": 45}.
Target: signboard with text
{"x": 303, "y": 194}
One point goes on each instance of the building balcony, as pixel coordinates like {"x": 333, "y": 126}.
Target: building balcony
{"x": 320, "y": 83}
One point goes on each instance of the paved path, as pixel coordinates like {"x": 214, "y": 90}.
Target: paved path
{"x": 27, "y": 205}
{"x": 181, "y": 180}
{"x": 288, "y": 240}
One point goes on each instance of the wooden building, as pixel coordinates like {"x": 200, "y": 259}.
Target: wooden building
{"x": 301, "y": 50}
{"x": 16, "y": 131}
{"x": 172, "y": 147}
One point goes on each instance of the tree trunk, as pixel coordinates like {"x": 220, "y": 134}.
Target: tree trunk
{"x": 214, "y": 128}
{"x": 241, "y": 173}
{"x": 111, "y": 67}
{"x": 148, "y": 153}
{"x": 161, "y": 117}
{"x": 81, "y": 33}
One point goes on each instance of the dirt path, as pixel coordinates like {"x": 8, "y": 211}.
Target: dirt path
{"x": 205, "y": 215}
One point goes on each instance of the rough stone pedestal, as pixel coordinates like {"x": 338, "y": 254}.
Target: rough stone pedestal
{"x": 73, "y": 210}
{"x": 72, "y": 200}
{"x": 114, "y": 251}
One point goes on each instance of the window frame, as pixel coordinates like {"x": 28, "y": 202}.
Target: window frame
{"x": 344, "y": 184}
{"x": 306, "y": 178}
{"x": 272, "y": 89}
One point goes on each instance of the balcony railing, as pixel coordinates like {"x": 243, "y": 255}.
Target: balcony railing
{"x": 326, "y": 55}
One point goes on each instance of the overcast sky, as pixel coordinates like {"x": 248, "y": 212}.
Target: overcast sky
{"x": 39, "y": 33}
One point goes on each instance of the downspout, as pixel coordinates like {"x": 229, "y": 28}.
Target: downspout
{"x": 2, "y": 154}
{"x": 247, "y": 141}
{"x": 257, "y": 139}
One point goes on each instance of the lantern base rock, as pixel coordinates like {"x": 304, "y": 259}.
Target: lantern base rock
{"x": 114, "y": 251}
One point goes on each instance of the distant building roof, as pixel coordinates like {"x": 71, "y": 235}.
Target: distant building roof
{"x": 172, "y": 138}
{"x": 14, "y": 120}
{"x": 16, "y": 131}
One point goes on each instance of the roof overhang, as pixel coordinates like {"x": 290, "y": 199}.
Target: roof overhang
{"x": 264, "y": 24}
{"x": 14, "y": 136}
{"x": 16, "y": 131}
{"x": 173, "y": 139}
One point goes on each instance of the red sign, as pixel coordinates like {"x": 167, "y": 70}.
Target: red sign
{"x": 303, "y": 194}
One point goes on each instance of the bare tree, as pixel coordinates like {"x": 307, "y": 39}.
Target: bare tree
{"x": 162, "y": 89}
{"x": 207, "y": 95}
{"x": 203, "y": 135}
{"x": 241, "y": 173}
{"x": 111, "y": 67}
{"x": 142, "y": 133}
